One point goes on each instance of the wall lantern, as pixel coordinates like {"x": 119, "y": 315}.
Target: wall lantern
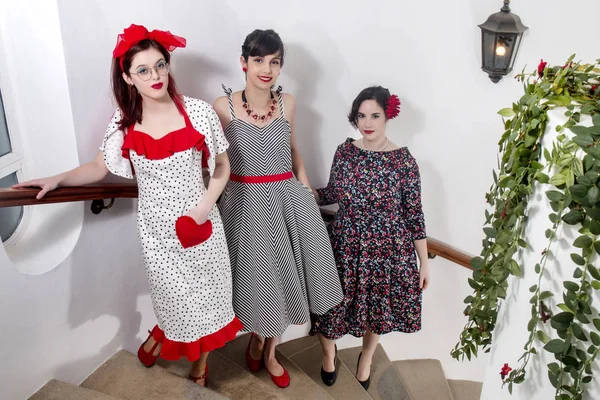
{"x": 500, "y": 40}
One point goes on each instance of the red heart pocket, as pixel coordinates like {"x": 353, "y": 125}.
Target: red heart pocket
{"x": 190, "y": 233}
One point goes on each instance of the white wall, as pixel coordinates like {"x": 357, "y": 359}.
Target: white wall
{"x": 426, "y": 52}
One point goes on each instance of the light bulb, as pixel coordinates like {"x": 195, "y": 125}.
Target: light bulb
{"x": 500, "y": 50}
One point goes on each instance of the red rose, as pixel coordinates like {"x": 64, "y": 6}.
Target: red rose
{"x": 392, "y": 107}
{"x": 541, "y": 68}
{"x": 504, "y": 371}
{"x": 593, "y": 89}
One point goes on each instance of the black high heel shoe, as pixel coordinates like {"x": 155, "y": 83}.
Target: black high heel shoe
{"x": 365, "y": 384}
{"x": 329, "y": 378}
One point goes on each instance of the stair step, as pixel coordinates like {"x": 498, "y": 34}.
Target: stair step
{"x": 385, "y": 381}
{"x": 228, "y": 379}
{"x": 465, "y": 390}
{"x": 57, "y": 390}
{"x": 124, "y": 376}
{"x": 301, "y": 386}
{"x": 424, "y": 379}
{"x": 306, "y": 354}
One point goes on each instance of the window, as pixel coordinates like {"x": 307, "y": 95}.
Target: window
{"x": 37, "y": 135}
{"x": 10, "y": 163}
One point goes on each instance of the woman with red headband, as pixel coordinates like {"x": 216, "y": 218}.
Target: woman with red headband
{"x": 282, "y": 263}
{"x": 165, "y": 139}
{"x": 377, "y": 235}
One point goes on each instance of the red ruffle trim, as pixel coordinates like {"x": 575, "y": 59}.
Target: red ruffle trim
{"x": 173, "y": 351}
{"x": 173, "y": 142}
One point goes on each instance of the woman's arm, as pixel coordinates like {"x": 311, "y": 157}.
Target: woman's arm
{"x": 85, "y": 174}
{"x": 297, "y": 162}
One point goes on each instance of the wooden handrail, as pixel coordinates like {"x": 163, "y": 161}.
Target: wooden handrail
{"x": 26, "y": 197}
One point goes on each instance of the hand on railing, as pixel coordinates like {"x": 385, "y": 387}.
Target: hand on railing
{"x": 45, "y": 184}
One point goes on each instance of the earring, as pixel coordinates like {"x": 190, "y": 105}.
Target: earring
{"x": 245, "y": 69}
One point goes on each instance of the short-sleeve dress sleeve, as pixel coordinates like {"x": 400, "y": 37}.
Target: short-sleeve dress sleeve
{"x": 111, "y": 148}
{"x": 205, "y": 120}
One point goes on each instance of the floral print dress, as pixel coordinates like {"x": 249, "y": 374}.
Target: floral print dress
{"x": 372, "y": 235}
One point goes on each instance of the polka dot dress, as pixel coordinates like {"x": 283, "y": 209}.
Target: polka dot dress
{"x": 190, "y": 288}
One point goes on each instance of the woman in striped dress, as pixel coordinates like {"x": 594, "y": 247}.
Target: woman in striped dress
{"x": 282, "y": 263}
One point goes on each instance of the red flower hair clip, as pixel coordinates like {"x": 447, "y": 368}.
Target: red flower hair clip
{"x": 392, "y": 107}
{"x": 136, "y": 33}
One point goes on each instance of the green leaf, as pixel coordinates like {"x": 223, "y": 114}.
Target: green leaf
{"x": 542, "y": 337}
{"x": 507, "y": 112}
{"x": 555, "y": 346}
{"x": 514, "y": 268}
{"x": 579, "y": 130}
{"x": 595, "y": 338}
{"x": 578, "y": 191}
{"x": 542, "y": 178}
{"x": 554, "y": 368}
{"x": 533, "y": 288}
{"x": 593, "y": 195}
{"x": 477, "y": 263}
{"x": 597, "y": 246}
{"x": 596, "y": 119}
{"x": 578, "y": 167}
{"x": 583, "y": 241}
{"x": 577, "y": 259}
{"x": 594, "y": 271}
{"x": 490, "y": 232}
{"x": 546, "y": 294}
{"x": 563, "y": 317}
{"x": 571, "y": 286}
{"x": 573, "y": 217}
{"x": 578, "y": 332}
{"x": 587, "y": 379}
{"x": 473, "y": 284}
{"x": 558, "y": 180}
{"x": 583, "y": 140}
{"x": 582, "y": 318}
{"x": 595, "y": 227}
{"x": 596, "y": 285}
{"x": 554, "y": 195}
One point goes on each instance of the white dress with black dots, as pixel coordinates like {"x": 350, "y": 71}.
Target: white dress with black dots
{"x": 190, "y": 288}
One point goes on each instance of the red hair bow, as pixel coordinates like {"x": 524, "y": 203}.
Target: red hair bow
{"x": 136, "y": 33}
{"x": 392, "y": 107}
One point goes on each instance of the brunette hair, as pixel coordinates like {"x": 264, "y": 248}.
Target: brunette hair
{"x": 128, "y": 98}
{"x": 377, "y": 93}
{"x": 262, "y": 43}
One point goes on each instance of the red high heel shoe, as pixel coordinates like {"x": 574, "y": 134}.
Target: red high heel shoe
{"x": 253, "y": 364}
{"x": 203, "y": 376}
{"x": 282, "y": 380}
{"x": 148, "y": 359}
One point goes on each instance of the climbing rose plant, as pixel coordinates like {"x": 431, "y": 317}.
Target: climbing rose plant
{"x": 572, "y": 170}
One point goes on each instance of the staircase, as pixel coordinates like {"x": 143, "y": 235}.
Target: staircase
{"x": 123, "y": 378}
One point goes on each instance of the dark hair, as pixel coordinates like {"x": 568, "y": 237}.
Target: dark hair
{"x": 377, "y": 93}
{"x": 128, "y": 98}
{"x": 262, "y": 43}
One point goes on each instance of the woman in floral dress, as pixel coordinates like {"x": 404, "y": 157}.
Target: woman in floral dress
{"x": 377, "y": 235}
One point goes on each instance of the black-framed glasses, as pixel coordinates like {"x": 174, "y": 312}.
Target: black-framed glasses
{"x": 145, "y": 73}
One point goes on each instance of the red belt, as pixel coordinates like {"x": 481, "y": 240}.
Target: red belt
{"x": 262, "y": 178}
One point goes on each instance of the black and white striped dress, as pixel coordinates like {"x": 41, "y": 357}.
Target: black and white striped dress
{"x": 282, "y": 263}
